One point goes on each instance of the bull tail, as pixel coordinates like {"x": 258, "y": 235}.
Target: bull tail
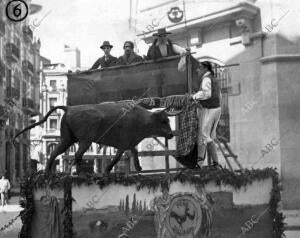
{"x": 41, "y": 121}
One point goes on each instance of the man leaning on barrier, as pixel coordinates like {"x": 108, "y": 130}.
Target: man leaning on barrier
{"x": 107, "y": 60}
{"x": 209, "y": 111}
{"x": 129, "y": 57}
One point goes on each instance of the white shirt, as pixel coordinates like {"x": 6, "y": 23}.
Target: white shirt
{"x": 4, "y": 185}
{"x": 205, "y": 89}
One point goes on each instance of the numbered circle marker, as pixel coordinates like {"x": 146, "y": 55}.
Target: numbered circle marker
{"x": 16, "y": 10}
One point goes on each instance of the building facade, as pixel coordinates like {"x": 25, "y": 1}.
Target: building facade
{"x": 256, "y": 46}
{"x": 72, "y": 57}
{"x": 53, "y": 92}
{"x": 19, "y": 92}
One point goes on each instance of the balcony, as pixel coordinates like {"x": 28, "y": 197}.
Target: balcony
{"x": 27, "y": 68}
{"x": 30, "y": 107}
{"x": 12, "y": 92}
{"x": 12, "y": 52}
{"x": 2, "y": 28}
{"x": 27, "y": 34}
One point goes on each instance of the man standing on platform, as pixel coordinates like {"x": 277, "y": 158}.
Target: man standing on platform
{"x": 129, "y": 57}
{"x": 209, "y": 111}
{"x": 107, "y": 60}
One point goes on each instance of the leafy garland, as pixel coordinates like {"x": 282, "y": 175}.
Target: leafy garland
{"x": 203, "y": 176}
{"x": 27, "y": 203}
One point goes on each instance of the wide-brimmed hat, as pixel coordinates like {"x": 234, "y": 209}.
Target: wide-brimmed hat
{"x": 208, "y": 66}
{"x": 161, "y": 31}
{"x": 106, "y": 43}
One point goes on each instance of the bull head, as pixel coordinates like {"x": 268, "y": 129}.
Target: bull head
{"x": 162, "y": 123}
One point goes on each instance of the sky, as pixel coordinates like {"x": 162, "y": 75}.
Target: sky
{"x": 83, "y": 24}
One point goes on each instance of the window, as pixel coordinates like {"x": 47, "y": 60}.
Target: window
{"x": 52, "y": 102}
{"x": 53, "y": 124}
{"x": 8, "y": 77}
{"x": 72, "y": 148}
{"x": 50, "y": 147}
{"x": 53, "y": 84}
{"x": 24, "y": 89}
{"x": 25, "y": 156}
{"x": 98, "y": 148}
{"x": 17, "y": 159}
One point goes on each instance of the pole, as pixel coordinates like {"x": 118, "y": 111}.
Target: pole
{"x": 167, "y": 157}
{"x": 189, "y": 73}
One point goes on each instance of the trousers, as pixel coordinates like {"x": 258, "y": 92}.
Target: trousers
{"x": 207, "y": 125}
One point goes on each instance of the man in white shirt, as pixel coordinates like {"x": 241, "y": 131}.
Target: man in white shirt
{"x": 4, "y": 187}
{"x": 208, "y": 97}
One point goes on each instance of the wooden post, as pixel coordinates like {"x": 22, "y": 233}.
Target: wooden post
{"x": 167, "y": 157}
{"x": 189, "y": 73}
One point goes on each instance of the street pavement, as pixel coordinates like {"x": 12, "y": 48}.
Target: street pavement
{"x": 7, "y": 213}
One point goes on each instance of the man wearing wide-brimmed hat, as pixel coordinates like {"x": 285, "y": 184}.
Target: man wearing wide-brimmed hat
{"x": 107, "y": 60}
{"x": 163, "y": 46}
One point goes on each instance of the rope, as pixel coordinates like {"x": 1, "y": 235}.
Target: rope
{"x": 10, "y": 223}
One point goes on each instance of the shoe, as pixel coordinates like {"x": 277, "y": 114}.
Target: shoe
{"x": 216, "y": 165}
{"x": 212, "y": 153}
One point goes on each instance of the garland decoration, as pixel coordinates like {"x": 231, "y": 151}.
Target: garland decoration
{"x": 64, "y": 181}
{"x": 27, "y": 203}
{"x": 67, "y": 210}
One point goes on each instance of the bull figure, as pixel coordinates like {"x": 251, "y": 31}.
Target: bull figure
{"x": 115, "y": 124}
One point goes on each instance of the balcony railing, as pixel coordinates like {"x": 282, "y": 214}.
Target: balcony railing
{"x": 12, "y": 52}
{"x": 12, "y": 92}
{"x": 2, "y": 28}
{"x": 27, "y": 68}
{"x": 27, "y": 34}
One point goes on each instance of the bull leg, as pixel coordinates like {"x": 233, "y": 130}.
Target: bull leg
{"x": 115, "y": 160}
{"x": 60, "y": 148}
{"x": 83, "y": 147}
{"x": 136, "y": 161}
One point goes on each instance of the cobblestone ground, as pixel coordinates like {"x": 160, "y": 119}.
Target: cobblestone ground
{"x": 6, "y": 214}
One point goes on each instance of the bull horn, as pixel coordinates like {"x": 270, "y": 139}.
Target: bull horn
{"x": 174, "y": 113}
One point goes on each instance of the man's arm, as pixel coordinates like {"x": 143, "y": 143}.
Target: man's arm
{"x": 178, "y": 49}
{"x": 96, "y": 64}
{"x": 205, "y": 93}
